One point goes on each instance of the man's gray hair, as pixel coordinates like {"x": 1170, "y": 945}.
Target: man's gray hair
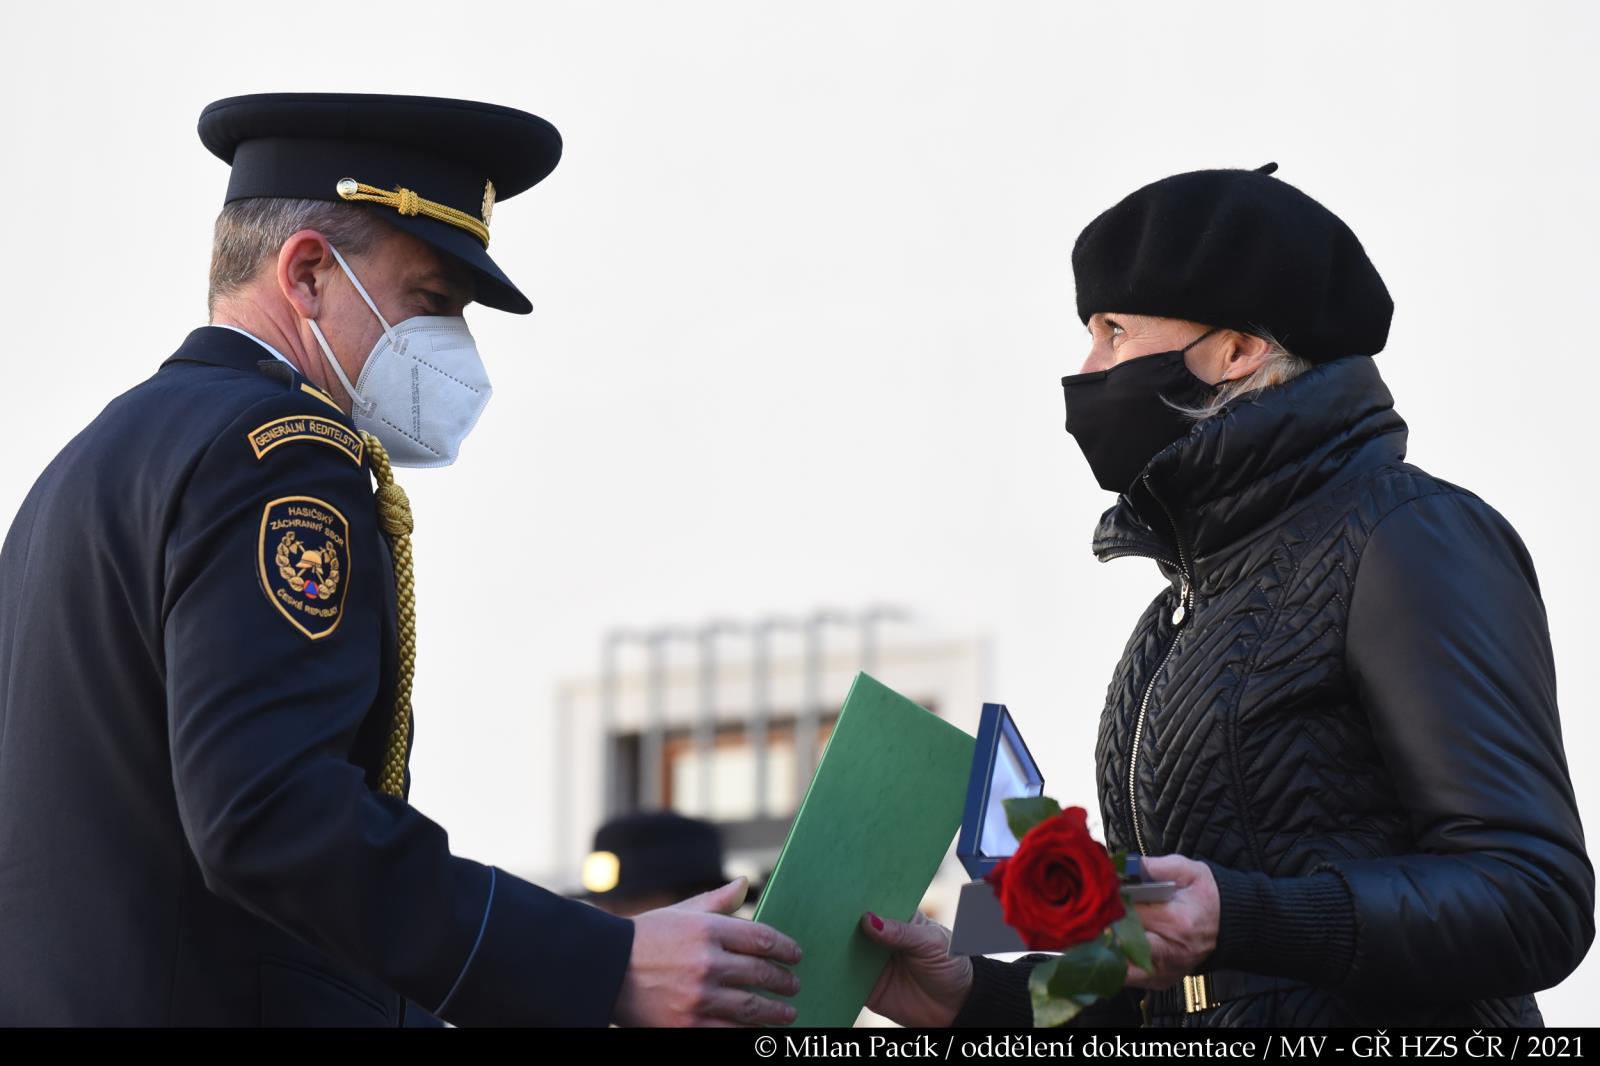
{"x": 1281, "y": 366}
{"x": 252, "y": 231}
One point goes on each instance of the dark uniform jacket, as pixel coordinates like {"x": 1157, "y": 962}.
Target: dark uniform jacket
{"x": 1352, "y": 721}
{"x": 197, "y": 678}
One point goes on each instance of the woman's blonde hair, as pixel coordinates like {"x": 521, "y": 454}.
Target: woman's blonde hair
{"x": 1281, "y": 366}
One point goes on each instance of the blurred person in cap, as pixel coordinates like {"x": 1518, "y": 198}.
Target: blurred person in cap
{"x": 207, "y": 636}
{"x": 1335, "y": 727}
{"x": 651, "y": 859}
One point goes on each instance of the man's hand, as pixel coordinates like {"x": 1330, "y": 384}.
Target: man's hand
{"x": 694, "y": 964}
{"x": 1183, "y": 930}
{"x": 921, "y": 986}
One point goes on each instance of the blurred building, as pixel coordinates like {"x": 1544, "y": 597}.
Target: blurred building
{"x": 727, "y": 720}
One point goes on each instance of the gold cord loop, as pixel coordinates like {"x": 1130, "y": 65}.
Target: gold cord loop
{"x": 394, "y": 510}
{"x": 394, "y": 515}
{"x": 407, "y": 202}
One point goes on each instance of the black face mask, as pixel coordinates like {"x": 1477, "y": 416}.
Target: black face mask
{"x": 1119, "y": 416}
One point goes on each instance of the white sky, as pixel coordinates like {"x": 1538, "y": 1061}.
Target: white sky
{"x": 803, "y": 301}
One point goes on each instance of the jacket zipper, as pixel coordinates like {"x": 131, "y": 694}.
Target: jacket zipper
{"x": 1179, "y": 617}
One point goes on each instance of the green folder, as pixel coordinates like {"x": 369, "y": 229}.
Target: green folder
{"x": 877, "y": 820}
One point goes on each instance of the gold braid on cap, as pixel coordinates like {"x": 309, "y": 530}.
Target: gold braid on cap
{"x": 394, "y": 516}
{"x": 408, "y": 202}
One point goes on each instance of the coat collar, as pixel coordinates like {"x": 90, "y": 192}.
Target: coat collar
{"x": 1241, "y": 469}
{"x": 217, "y": 346}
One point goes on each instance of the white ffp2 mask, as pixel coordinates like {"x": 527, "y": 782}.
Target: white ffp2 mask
{"x": 422, "y": 388}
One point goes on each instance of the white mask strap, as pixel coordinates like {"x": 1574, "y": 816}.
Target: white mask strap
{"x": 338, "y": 370}
{"x": 352, "y": 276}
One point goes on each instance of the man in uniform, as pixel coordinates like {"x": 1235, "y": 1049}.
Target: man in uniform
{"x": 207, "y": 637}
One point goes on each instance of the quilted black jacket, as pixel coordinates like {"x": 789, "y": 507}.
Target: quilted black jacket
{"x": 1345, "y": 704}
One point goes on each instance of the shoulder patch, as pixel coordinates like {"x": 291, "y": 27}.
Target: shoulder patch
{"x": 312, "y": 390}
{"x": 314, "y": 428}
{"x": 304, "y": 560}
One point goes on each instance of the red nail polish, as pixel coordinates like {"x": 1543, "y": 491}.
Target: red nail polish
{"x": 877, "y": 923}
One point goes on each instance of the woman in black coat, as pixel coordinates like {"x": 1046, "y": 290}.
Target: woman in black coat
{"x": 1336, "y": 726}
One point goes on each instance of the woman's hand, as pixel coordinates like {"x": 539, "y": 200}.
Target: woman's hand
{"x": 1182, "y": 930}
{"x": 921, "y": 986}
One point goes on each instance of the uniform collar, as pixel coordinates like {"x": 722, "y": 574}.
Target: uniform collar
{"x": 246, "y": 333}
{"x": 220, "y": 346}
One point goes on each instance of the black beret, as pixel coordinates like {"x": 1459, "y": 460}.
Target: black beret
{"x": 432, "y": 167}
{"x": 1238, "y": 249}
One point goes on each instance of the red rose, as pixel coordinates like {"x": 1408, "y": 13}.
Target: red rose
{"x": 1060, "y": 888}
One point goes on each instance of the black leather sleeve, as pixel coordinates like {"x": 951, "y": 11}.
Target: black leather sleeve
{"x": 999, "y": 999}
{"x": 1450, "y": 654}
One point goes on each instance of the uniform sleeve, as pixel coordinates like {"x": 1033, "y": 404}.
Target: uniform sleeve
{"x": 272, "y": 647}
{"x": 1450, "y": 655}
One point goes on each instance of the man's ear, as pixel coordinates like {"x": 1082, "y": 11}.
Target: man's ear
{"x": 304, "y": 264}
{"x": 1245, "y": 356}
